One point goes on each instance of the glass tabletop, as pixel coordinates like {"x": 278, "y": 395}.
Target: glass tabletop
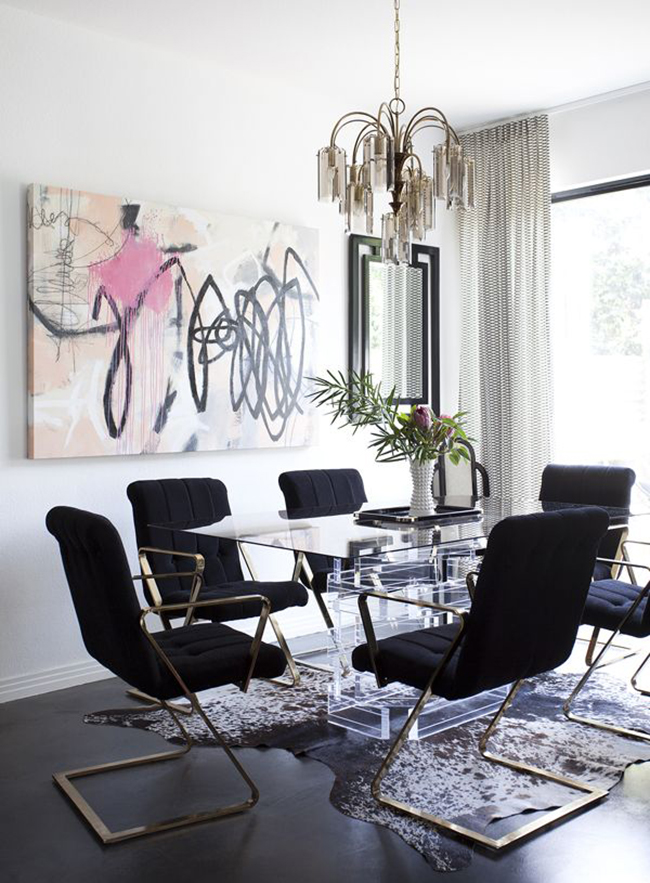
{"x": 334, "y": 532}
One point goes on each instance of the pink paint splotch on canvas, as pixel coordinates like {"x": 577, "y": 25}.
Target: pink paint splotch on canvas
{"x": 134, "y": 269}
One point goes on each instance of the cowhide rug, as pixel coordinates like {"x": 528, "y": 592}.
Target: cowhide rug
{"x": 444, "y": 773}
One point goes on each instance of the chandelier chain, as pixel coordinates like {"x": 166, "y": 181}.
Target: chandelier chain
{"x": 396, "y": 81}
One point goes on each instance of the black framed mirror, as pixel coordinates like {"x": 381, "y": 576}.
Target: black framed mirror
{"x": 394, "y": 320}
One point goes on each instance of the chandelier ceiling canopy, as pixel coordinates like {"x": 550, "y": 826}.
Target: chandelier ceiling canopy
{"x": 384, "y": 161}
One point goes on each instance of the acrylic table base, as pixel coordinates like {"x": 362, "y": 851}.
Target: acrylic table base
{"x": 378, "y": 713}
{"x": 355, "y": 702}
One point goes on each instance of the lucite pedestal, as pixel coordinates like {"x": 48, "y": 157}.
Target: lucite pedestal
{"x": 355, "y": 701}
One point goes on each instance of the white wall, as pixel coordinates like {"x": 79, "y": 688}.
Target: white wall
{"x": 601, "y": 140}
{"x": 81, "y": 110}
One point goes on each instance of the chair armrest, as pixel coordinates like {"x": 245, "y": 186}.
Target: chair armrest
{"x": 198, "y": 558}
{"x": 215, "y": 602}
{"x": 625, "y": 557}
{"x": 470, "y": 582}
{"x": 146, "y": 576}
{"x": 639, "y": 598}
{"x": 197, "y": 574}
{"x": 371, "y": 637}
{"x": 623, "y": 563}
{"x": 417, "y": 602}
{"x": 212, "y": 602}
{"x": 482, "y": 471}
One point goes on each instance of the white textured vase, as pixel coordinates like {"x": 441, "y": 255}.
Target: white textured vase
{"x": 422, "y": 493}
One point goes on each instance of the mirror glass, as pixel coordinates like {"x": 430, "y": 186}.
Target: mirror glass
{"x": 395, "y": 333}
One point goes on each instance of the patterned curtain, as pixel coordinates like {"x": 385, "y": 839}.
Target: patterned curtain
{"x": 505, "y": 376}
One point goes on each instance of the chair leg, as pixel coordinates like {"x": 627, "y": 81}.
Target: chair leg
{"x": 303, "y": 572}
{"x": 291, "y": 664}
{"x": 324, "y": 612}
{"x": 634, "y": 678}
{"x": 594, "y": 645}
{"x": 132, "y": 693}
{"x": 611, "y": 728}
{"x": 327, "y": 619}
{"x": 591, "y": 795}
{"x": 64, "y": 782}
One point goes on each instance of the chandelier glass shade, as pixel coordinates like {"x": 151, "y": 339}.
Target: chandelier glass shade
{"x": 384, "y": 160}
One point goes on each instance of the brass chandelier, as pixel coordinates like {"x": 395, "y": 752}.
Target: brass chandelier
{"x": 384, "y": 160}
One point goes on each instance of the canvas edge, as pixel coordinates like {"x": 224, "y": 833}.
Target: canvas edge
{"x": 31, "y": 438}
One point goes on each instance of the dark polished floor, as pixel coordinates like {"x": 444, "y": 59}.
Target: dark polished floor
{"x": 294, "y": 834}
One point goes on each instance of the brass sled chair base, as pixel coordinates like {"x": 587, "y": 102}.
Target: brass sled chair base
{"x": 64, "y": 782}
{"x": 590, "y": 794}
{"x": 599, "y": 662}
{"x": 291, "y": 662}
{"x": 132, "y": 693}
{"x": 601, "y": 725}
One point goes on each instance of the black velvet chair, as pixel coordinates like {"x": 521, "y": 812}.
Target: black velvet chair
{"x": 461, "y": 480}
{"x": 593, "y": 486}
{"x": 524, "y": 618}
{"x": 314, "y": 492}
{"x": 623, "y": 609}
{"x": 165, "y": 664}
{"x": 196, "y": 502}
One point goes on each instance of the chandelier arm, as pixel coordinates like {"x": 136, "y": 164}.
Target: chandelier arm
{"x": 392, "y": 117}
{"x": 413, "y": 126}
{"x": 428, "y": 111}
{"x": 411, "y": 155}
{"x": 428, "y": 123}
{"x": 366, "y": 130}
{"x": 355, "y": 116}
{"x": 454, "y": 133}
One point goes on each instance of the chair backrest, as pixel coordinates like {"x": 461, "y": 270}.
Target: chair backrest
{"x": 461, "y": 479}
{"x": 330, "y": 491}
{"x": 103, "y": 594}
{"x": 529, "y": 598}
{"x": 593, "y": 485}
{"x": 195, "y": 502}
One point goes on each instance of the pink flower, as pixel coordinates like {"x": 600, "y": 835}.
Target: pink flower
{"x": 423, "y": 417}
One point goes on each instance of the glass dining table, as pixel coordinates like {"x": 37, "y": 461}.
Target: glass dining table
{"x": 427, "y": 558}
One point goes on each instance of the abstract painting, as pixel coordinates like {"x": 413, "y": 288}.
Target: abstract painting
{"x": 159, "y": 329}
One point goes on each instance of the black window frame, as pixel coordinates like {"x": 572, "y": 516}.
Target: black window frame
{"x": 603, "y": 187}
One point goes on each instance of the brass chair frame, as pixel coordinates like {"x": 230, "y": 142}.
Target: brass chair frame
{"x": 275, "y": 625}
{"x": 147, "y": 576}
{"x": 599, "y": 663}
{"x": 197, "y": 584}
{"x": 64, "y": 779}
{"x": 302, "y": 570}
{"x": 590, "y": 795}
{"x": 617, "y": 564}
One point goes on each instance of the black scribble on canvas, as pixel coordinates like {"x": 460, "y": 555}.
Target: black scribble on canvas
{"x": 267, "y": 360}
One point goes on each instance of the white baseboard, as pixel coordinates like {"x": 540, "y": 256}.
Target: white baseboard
{"x": 296, "y": 623}
{"x": 51, "y": 679}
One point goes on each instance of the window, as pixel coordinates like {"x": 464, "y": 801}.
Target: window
{"x": 600, "y": 315}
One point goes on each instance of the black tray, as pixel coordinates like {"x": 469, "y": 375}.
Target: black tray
{"x": 401, "y": 515}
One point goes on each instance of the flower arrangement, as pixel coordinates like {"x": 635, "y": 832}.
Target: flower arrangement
{"x": 417, "y": 434}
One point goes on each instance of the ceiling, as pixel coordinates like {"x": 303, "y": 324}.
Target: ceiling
{"x": 478, "y": 61}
